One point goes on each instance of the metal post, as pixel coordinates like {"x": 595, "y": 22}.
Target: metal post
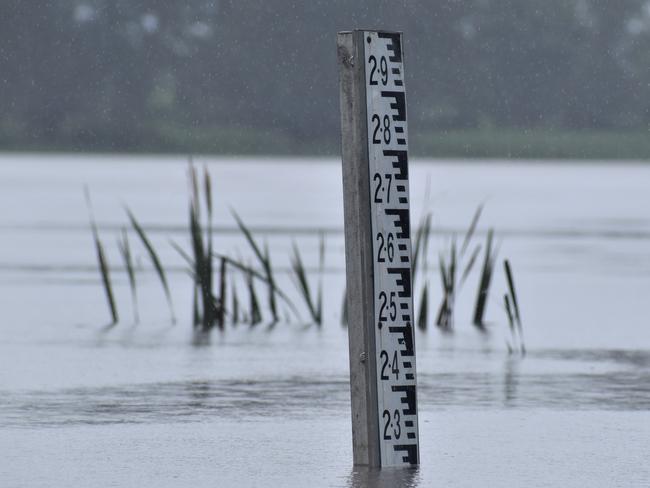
{"x": 358, "y": 250}
{"x": 378, "y": 249}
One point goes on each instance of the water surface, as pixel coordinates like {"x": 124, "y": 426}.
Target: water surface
{"x": 148, "y": 404}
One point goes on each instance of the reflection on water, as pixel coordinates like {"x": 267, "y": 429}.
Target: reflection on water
{"x": 173, "y": 401}
{"x": 623, "y": 385}
{"x": 510, "y": 381}
{"x": 362, "y": 477}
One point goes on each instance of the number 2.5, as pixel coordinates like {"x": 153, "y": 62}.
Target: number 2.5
{"x": 388, "y": 305}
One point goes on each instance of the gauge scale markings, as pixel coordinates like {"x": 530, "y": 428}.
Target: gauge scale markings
{"x": 389, "y": 205}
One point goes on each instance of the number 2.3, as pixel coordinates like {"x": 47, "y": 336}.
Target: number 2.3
{"x": 397, "y": 428}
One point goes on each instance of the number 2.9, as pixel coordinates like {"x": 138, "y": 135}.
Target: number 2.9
{"x": 383, "y": 70}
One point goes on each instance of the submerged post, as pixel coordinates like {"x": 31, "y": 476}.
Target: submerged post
{"x": 378, "y": 249}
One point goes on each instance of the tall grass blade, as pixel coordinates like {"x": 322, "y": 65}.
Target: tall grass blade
{"x": 154, "y": 259}
{"x": 469, "y": 265}
{"x": 265, "y": 261}
{"x": 194, "y": 187}
{"x": 208, "y": 265}
{"x": 125, "y": 250}
{"x": 255, "y": 316}
{"x": 184, "y": 255}
{"x": 471, "y": 229}
{"x": 271, "y": 287}
{"x": 106, "y": 279}
{"x": 221, "y": 317}
{"x": 513, "y": 294}
{"x": 423, "y": 314}
{"x": 442, "y": 267}
{"x": 197, "y": 246}
{"x": 235, "y": 305}
{"x": 515, "y": 304}
{"x": 196, "y": 314}
{"x": 321, "y": 271}
{"x": 197, "y": 240}
{"x": 102, "y": 261}
{"x": 511, "y": 322}
{"x": 452, "y": 268}
{"x": 196, "y": 236}
{"x": 443, "y": 317}
{"x": 484, "y": 283}
{"x": 302, "y": 283}
{"x": 249, "y": 237}
{"x": 209, "y": 310}
{"x": 208, "y": 190}
{"x": 202, "y": 277}
{"x": 513, "y": 331}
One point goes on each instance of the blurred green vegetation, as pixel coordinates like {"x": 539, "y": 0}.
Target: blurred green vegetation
{"x": 535, "y": 144}
{"x": 485, "y": 78}
{"x": 464, "y": 143}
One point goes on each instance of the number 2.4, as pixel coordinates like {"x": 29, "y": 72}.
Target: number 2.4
{"x": 394, "y": 366}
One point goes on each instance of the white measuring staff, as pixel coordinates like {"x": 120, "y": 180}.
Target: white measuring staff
{"x": 374, "y": 130}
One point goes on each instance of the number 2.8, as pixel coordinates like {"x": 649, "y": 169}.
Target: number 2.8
{"x": 385, "y": 130}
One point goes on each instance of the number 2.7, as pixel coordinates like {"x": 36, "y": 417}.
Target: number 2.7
{"x": 380, "y": 187}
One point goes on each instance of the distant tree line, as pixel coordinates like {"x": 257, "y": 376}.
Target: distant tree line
{"x": 156, "y": 74}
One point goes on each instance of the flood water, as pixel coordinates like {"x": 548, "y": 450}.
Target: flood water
{"x": 150, "y": 405}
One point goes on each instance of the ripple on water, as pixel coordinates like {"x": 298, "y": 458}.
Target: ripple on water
{"x": 626, "y": 386}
